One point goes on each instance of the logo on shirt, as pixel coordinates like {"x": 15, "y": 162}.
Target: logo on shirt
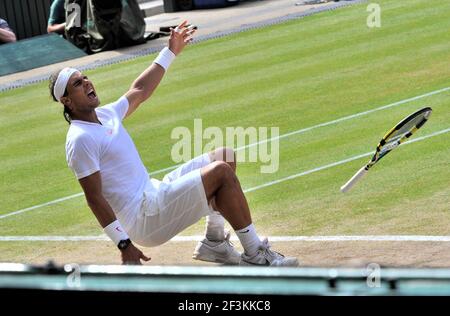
{"x": 109, "y": 131}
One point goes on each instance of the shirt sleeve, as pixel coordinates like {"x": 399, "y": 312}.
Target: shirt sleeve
{"x": 57, "y": 13}
{"x": 4, "y": 25}
{"x": 120, "y": 107}
{"x": 83, "y": 156}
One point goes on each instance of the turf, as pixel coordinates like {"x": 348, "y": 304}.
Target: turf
{"x": 291, "y": 75}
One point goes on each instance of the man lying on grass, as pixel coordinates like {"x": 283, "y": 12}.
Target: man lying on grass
{"x": 131, "y": 206}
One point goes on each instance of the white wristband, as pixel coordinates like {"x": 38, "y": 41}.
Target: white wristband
{"x": 115, "y": 232}
{"x": 165, "y": 58}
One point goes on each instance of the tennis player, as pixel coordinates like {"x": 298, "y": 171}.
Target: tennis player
{"x": 133, "y": 208}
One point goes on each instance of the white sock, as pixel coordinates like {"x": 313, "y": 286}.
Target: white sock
{"x": 215, "y": 227}
{"x": 249, "y": 239}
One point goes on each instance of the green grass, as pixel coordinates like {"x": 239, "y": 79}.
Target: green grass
{"x": 292, "y": 75}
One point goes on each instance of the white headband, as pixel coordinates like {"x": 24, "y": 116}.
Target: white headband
{"x": 61, "y": 82}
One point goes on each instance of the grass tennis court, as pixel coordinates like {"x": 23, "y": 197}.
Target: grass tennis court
{"x": 293, "y": 75}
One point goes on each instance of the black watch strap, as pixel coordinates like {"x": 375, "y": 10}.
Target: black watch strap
{"x": 123, "y": 244}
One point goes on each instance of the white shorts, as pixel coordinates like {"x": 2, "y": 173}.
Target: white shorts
{"x": 171, "y": 205}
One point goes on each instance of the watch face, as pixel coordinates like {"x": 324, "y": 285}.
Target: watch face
{"x": 123, "y": 244}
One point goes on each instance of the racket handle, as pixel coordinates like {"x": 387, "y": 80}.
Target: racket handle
{"x": 361, "y": 172}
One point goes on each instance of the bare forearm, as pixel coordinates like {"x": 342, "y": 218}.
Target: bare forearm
{"x": 57, "y": 28}
{"x": 148, "y": 81}
{"x": 102, "y": 210}
{"x": 7, "y": 36}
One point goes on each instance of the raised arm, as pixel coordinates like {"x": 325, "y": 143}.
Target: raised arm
{"x": 143, "y": 87}
{"x": 92, "y": 187}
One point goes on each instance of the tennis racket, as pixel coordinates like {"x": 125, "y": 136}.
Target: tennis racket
{"x": 392, "y": 140}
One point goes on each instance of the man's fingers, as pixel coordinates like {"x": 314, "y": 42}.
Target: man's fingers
{"x": 190, "y": 32}
{"x": 189, "y": 36}
{"x": 180, "y": 27}
{"x": 183, "y": 24}
{"x": 184, "y": 32}
{"x": 144, "y": 257}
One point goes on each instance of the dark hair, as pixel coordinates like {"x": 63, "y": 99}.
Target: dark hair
{"x": 67, "y": 112}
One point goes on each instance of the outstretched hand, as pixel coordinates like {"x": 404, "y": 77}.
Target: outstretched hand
{"x": 180, "y": 37}
{"x": 132, "y": 255}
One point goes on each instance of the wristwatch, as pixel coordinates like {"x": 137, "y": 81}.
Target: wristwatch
{"x": 123, "y": 244}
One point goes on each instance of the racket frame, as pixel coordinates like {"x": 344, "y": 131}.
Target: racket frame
{"x": 380, "y": 153}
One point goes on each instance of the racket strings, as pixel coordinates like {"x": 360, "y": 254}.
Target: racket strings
{"x": 400, "y": 133}
{"x": 406, "y": 128}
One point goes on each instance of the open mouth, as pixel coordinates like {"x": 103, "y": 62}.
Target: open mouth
{"x": 91, "y": 94}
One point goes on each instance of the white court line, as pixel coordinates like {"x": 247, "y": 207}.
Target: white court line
{"x": 349, "y": 117}
{"x": 298, "y": 238}
{"x": 334, "y": 163}
{"x": 416, "y": 238}
{"x": 339, "y": 162}
{"x": 42, "y": 205}
{"x": 342, "y": 119}
{"x": 303, "y": 130}
{"x": 262, "y": 185}
{"x": 275, "y": 238}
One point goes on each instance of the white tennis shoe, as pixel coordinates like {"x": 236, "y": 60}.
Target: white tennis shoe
{"x": 217, "y": 251}
{"x": 267, "y": 257}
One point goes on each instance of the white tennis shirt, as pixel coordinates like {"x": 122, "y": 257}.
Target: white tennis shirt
{"x": 91, "y": 147}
